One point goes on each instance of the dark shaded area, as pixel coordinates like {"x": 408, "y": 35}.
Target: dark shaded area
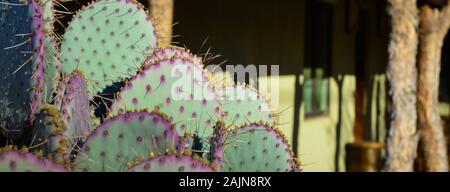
{"x": 444, "y": 84}
{"x": 197, "y": 146}
{"x": 244, "y": 32}
{"x": 432, "y": 3}
{"x": 104, "y": 102}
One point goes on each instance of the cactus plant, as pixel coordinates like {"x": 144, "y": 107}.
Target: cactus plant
{"x": 178, "y": 88}
{"x": 47, "y": 94}
{"x": 20, "y": 161}
{"x": 48, "y": 135}
{"x": 172, "y": 163}
{"x": 243, "y": 104}
{"x": 107, "y": 40}
{"x": 73, "y": 101}
{"x": 22, "y": 64}
{"x": 258, "y": 147}
{"x": 125, "y": 139}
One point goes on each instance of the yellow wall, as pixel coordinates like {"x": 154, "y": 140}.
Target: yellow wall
{"x": 317, "y": 139}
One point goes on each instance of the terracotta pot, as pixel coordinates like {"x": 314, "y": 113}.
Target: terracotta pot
{"x": 364, "y": 157}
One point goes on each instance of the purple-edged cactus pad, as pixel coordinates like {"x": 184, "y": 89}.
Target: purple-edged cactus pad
{"x": 22, "y": 64}
{"x": 172, "y": 163}
{"x": 242, "y": 105}
{"x": 108, "y": 41}
{"x": 15, "y": 161}
{"x": 73, "y": 100}
{"x": 177, "y": 87}
{"x": 171, "y": 52}
{"x": 257, "y": 148}
{"x": 125, "y": 139}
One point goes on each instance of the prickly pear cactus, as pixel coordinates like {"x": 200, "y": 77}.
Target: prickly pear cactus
{"x": 22, "y": 64}
{"x": 49, "y": 135}
{"x": 53, "y": 64}
{"x": 243, "y": 104}
{"x": 73, "y": 100}
{"x": 15, "y": 161}
{"x": 172, "y": 163}
{"x": 125, "y": 139}
{"x": 108, "y": 40}
{"x": 178, "y": 88}
{"x": 257, "y": 148}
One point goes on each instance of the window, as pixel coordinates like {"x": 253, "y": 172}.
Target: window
{"x": 318, "y": 31}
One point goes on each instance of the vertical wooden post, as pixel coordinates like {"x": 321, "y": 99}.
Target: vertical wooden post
{"x": 434, "y": 25}
{"x": 402, "y": 138}
{"x": 162, "y": 13}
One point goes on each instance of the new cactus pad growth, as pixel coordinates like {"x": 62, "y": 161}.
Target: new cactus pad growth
{"x": 22, "y": 64}
{"x": 172, "y": 163}
{"x": 17, "y": 161}
{"x": 178, "y": 88}
{"x": 73, "y": 100}
{"x": 125, "y": 139}
{"x": 257, "y": 148}
{"x": 242, "y": 105}
{"x": 108, "y": 41}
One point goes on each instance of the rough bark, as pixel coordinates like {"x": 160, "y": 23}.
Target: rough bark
{"x": 434, "y": 26}
{"x": 162, "y": 13}
{"x": 401, "y": 146}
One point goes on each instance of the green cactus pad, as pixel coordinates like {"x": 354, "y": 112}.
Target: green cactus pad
{"x": 172, "y": 163}
{"x": 49, "y": 15}
{"x": 178, "y": 88}
{"x": 108, "y": 41}
{"x": 257, "y": 148}
{"x": 15, "y": 161}
{"x": 125, "y": 139}
{"x": 242, "y": 105}
{"x": 52, "y": 69}
{"x": 49, "y": 135}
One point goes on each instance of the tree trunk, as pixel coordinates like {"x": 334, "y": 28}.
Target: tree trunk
{"x": 402, "y": 74}
{"x": 162, "y": 13}
{"x": 434, "y": 26}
